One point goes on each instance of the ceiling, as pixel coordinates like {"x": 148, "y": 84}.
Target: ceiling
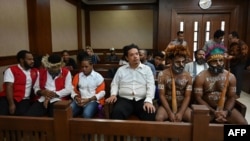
{"x": 96, "y": 2}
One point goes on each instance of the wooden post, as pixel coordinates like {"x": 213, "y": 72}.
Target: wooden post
{"x": 200, "y": 121}
{"x": 62, "y": 114}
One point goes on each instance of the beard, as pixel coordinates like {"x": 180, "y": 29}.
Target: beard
{"x": 27, "y": 66}
{"x": 200, "y": 61}
{"x": 216, "y": 70}
{"x": 177, "y": 70}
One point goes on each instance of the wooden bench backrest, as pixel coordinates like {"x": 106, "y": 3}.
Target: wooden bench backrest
{"x": 63, "y": 127}
{"x": 14, "y": 128}
{"x": 130, "y": 130}
{"x": 105, "y": 66}
{"x": 107, "y": 86}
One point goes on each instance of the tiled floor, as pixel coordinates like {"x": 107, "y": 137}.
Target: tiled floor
{"x": 245, "y": 99}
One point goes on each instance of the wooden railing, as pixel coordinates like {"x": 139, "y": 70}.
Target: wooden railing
{"x": 63, "y": 127}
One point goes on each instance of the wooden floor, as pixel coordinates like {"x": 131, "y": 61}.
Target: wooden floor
{"x": 245, "y": 98}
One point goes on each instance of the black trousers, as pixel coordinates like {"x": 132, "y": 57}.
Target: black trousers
{"x": 21, "y": 107}
{"x": 123, "y": 108}
{"x": 37, "y": 109}
{"x": 237, "y": 70}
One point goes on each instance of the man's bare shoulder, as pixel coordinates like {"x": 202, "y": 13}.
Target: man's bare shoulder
{"x": 231, "y": 75}
{"x": 202, "y": 75}
{"x": 165, "y": 72}
{"x": 186, "y": 73}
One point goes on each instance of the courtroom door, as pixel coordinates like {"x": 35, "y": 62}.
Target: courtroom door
{"x": 199, "y": 28}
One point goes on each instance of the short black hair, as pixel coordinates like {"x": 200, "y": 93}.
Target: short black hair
{"x": 81, "y": 54}
{"x": 180, "y": 32}
{"x": 22, "y": 54}
{"x": 128, "y": 47}
{"x": 196, "y": 52}
{"x": 160, "y": 54}
{"x": 54, "y": 58}
{"x": 87, "y": 58}
{"x": 235, "y": 34}
{"x": 219, "y": 33}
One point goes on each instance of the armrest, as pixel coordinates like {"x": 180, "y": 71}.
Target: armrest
{"x": 107, "y": 110}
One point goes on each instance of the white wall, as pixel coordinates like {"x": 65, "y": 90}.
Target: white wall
{"x": 117, "y": 28}
{"x": 13, "y": 27}
{"x": 63, "y": 25}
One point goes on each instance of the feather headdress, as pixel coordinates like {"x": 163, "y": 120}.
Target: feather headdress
{"x": 215, "y": 52}
{"x": 48, "y": 64}
{"x": 176, "y": 50}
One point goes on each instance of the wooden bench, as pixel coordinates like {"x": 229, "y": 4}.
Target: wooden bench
{"x": 62, "y": 127}
{"x": 105, "y": 66}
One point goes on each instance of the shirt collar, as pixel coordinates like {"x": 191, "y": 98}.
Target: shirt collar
{"x": 22, "y": 68}
{"x": 91, "y": 74}
{"x": 139, "y": 66}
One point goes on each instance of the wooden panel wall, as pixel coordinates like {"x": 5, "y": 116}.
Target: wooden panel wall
{"x": 240, "y": 19}
{"x": 39, "y": 22}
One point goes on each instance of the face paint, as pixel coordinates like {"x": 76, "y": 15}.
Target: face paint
{"x": 216, "y": 66}
{"x": 177, "y": 69}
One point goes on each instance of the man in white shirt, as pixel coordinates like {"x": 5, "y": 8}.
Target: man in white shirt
{"x": 179, "y": 40}
{"x": 18, "y": 82}
{"x": 198, "y": 65}
{"x": 54, "y": 84}
{"x": 133, "y": 88}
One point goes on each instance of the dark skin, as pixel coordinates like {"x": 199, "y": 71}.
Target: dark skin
{"x": 26, "y": 63}
{"x": 208, "y": 87}
{"x": 86, "y": 68}
{"x": 9, "y": 95}
{"x": 183, "y": 82}
{"x": 47, "y": 93}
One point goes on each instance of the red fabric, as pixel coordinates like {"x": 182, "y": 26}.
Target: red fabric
{"x": 19, "y": 83}
{"x": 59, "y": 81}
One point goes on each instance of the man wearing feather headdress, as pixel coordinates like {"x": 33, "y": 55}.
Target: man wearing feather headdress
{"x": 175, "y": 87}
{"x": 54, "y": 84}
{"x": 216, "y": 88}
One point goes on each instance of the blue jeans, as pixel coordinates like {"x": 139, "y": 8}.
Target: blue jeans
{"x": 87, "y": 111}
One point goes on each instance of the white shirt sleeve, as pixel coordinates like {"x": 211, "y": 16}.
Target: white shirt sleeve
{"x": 8, "y": 76}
